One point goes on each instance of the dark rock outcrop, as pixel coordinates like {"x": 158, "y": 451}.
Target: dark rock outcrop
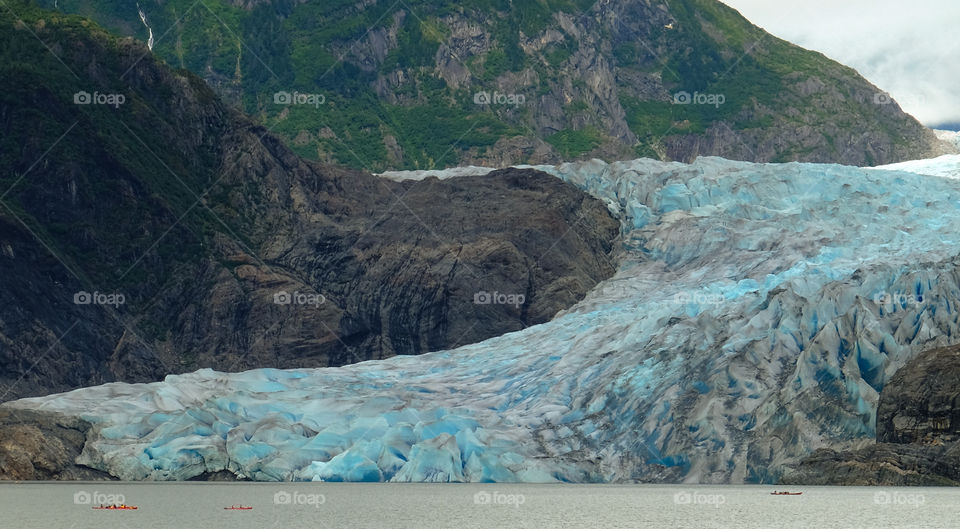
{"x": 921, "y": 404}
{"x": 43, "y": 446}
{"x": 169, "y": 233}
{"x": 883, "y": 464}
{"x": 917, "y": 427}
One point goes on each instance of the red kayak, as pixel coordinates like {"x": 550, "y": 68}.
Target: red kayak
{"x": 116, "y": 508}
{"x": 237, "y": 508}
{"x": 775, "y": 493}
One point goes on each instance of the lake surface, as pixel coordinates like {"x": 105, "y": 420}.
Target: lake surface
{"x": 465, "y": 506}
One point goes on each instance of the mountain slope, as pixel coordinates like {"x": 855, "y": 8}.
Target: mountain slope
{"x": 166, "y": 232}
{"x": 565, "y": 79}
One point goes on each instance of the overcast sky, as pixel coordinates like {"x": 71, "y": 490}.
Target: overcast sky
{"x": 910, "y": 48}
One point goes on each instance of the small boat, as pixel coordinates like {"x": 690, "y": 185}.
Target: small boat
{"x": 116, "y": 508}
{"x": 785, "y": 493}
{"x": 237, "y": 508}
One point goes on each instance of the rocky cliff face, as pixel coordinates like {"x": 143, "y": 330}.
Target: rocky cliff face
{"x": 43, "y": 446}
{"x": 917, "y": 427}
{"x": 167, "y": 232}
{"x": 436, "y": 83}
{"x": 922, "y": 402}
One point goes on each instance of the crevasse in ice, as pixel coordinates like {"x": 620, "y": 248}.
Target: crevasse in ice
{"x": 756, "y": 313}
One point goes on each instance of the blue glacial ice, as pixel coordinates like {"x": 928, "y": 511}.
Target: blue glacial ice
{"x": 756, "y": 313}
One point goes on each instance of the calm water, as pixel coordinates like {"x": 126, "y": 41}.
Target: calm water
{"x": 385, "y": 506}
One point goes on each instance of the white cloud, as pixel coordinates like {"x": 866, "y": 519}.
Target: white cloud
{"x": 908, "y": 48}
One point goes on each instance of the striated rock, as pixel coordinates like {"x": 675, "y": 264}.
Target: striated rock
{"x": 38, "y": 445}
{"x": 917, "y": 427}
{"x": 921, "y": 404}
{"x": 883, "y": 464}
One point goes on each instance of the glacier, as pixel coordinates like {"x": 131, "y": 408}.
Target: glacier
{"x": 949, "y": 136}
{"x": 756, "y": 313}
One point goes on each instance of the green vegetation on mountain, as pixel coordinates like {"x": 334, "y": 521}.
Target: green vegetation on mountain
{"x": 573, "y": 143}
{"x": 399, "y": 80}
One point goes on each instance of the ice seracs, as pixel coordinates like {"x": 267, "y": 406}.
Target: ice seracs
{"x": 757, "y": 311}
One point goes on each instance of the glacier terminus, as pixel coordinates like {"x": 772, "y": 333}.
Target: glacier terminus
{"x": 757, "y": 311}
